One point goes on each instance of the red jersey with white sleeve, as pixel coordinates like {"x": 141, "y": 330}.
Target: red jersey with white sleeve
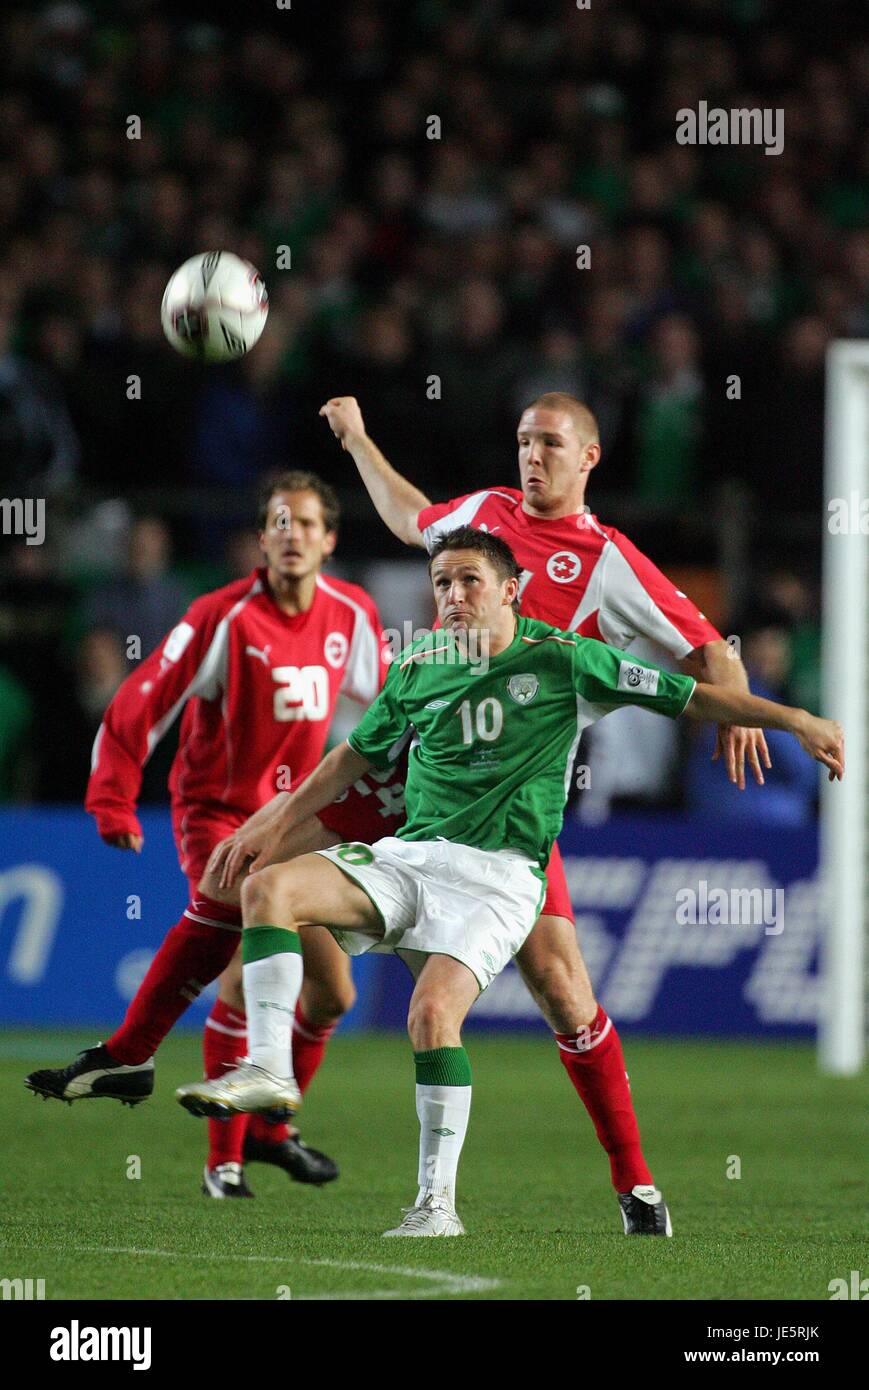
{"x": 258, "y": 689}
{"x": 579, "y": 575}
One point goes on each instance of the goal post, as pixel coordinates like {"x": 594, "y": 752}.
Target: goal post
{"x": 844, "y": 843}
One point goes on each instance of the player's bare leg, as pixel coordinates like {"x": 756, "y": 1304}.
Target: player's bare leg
{"x": 327, "y": 994}
{"x": 444, "y": 992}
{"x": 276, "y": 902}
{"x": 552, "y": 967}
{"x": 193, "y": 953}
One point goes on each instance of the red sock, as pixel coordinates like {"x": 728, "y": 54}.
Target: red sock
{"x": 224, "y": 1039}
{"x": 194, "y": 952}
{"x": 309, "y": 1044}
{"x": 594, "y": 1061}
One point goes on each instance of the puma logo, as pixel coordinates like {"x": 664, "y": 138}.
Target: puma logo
{"x": 263, "y": 655}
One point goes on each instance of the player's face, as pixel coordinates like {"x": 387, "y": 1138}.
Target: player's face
{"x": 295, "y": 541}
{"x": 468, "y": 592}
{"x": 552, "y": 456}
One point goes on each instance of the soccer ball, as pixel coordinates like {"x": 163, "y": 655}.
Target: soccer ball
{"x": 215, "y": 307}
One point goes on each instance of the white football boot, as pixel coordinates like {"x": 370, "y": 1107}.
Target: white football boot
{"x": 246, "y": 1090}
{"x": 434, "y": 1216}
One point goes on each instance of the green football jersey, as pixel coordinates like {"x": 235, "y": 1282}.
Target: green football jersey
{"x": 492, "y": 743}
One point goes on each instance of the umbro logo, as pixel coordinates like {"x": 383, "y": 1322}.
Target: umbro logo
{"x": 444, "y": 1132}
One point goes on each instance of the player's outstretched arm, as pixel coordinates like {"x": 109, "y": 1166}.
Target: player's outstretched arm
{"x": 140, "y": 712}
{"x": 398, "y": 502}
{"x": 260, "y": 837}
{"x": 822, "y": 739}
{"x": 717, "y": 663}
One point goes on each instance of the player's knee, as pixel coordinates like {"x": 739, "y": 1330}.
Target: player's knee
{"x": 431, "y": 1023}
{"x": 258, "y": 896}
{"x": 209, "y": 885}
{"x": 325, "y": 1001}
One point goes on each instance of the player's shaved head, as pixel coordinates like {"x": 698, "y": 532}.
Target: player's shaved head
{"x": 584, "y": 421}
{"x": 559, "y": 445}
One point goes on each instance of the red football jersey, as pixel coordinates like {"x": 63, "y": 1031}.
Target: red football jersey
{"x": 258, "y": 687}
{"x": 579, "y": 575}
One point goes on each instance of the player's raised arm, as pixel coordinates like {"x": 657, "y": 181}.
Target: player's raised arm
{"x": 822, "y": 739}
{"x": 398, "y": 502}
{"x": 608, "y": 679}
{"x": 260, "y": 837}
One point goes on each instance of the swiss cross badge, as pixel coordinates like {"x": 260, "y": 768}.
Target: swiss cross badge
{"x": 335, "y": 649}
{"x": 563, "y": 566}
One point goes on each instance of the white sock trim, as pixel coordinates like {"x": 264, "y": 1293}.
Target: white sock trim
{"x": 576, "y": 1046}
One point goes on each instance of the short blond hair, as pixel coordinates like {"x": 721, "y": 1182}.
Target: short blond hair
{"x": 583, "y": 419}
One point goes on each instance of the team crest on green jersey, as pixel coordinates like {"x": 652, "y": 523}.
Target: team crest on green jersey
{"x": 523, "y": 688}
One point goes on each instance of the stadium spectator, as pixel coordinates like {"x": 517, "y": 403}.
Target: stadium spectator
{"x": 145, "y": 602}
{"x": 97, "y": 669}
{"x": 38, "y": 444}
{"x": 668, "y": 426}
{"x": 791, "y": 789}
{"x": 16, "y": 716}
{"x": 433, "y": 185}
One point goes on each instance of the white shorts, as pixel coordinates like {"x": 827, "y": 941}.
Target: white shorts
{"x": 441, "y": 898}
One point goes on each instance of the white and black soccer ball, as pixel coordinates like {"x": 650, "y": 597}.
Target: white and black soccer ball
{"x": 215, "y": 307}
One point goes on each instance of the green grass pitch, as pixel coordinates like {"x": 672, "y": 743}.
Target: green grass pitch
{"x": 534, "y": 1187}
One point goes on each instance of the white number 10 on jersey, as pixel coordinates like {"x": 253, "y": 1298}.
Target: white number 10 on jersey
{"x": 489, "y": 720}
{"x": 303, "y": 693}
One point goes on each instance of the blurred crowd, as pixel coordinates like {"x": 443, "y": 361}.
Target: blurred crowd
{"x": 433, "y": 169}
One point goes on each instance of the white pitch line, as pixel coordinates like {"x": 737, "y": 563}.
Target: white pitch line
{"x": 464, "y": 1283}
{"x": 175, "y": 1254}
{"x": 440, "y": 1280}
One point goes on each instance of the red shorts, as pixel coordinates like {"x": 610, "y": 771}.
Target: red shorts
{"x": 557, "y": 901}
{"x": 371, "y": 808}
{"x": 374, "y": 806}
{"x": 197, "y": 829}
